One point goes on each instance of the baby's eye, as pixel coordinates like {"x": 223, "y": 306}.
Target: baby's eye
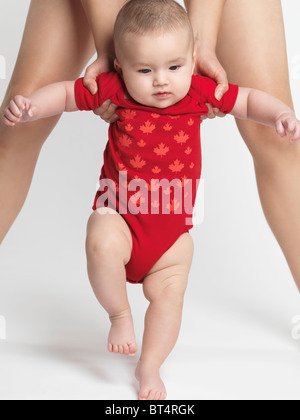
{"x": 174, "y": 68}
{"x": 144, "y": 71}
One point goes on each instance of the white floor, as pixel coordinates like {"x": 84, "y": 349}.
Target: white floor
{"x": 232, "y": 346}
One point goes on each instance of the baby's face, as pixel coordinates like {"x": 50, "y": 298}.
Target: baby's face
{"x": 157, "y": 69}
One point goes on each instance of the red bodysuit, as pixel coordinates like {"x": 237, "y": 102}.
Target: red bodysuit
{"x": 161, "y": 150}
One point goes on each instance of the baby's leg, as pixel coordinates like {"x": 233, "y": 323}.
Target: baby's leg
{"x": 164, "y": 287}
{"x": 108, "y": 248}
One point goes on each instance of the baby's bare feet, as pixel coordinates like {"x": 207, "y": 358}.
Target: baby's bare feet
{"x": 151, "y": 385}
{"x": 121, "y": 337}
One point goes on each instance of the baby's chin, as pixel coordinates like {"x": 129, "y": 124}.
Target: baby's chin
{"x": 160, "y": 104}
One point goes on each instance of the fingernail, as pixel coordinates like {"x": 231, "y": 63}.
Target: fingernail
{"x": 219, "y": 96}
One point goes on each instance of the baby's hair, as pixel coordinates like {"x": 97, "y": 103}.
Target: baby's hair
{"x": 141, "y": 17}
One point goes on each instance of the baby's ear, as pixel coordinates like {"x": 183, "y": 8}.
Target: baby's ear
{"x": 118, "y": 67}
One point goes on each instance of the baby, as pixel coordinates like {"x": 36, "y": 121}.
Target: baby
{"x": 139, "y": 230}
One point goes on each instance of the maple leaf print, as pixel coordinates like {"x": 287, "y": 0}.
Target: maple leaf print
{"x": 176, "y": 166}
{"x": 141, "y": 143}
{"x": 125, "y": 141}
{"x": 128, "y": 128}
{"x": 122, "y": 167}
{"x": 147, "y": 128}
{"x": 137, "y": 162}
{"x": 174, "y": 117}
{"x": 188, "y": 151}
{"x": 168, "y": 127}
{"x": 155, "y": 116}
{"x": 161, "y": 150}
{"x": 184, "y": 181}
{"x": 128, "y": 114}
{"x": 191, "y": 122}
{"x": 173, "y": 206}
{"x": 181, "y": 137}
{"x": 156, "y": 170}
{"x": 192, "y": 165}
{"x": 154, "y": 185}
{"x": 155, "y": 204}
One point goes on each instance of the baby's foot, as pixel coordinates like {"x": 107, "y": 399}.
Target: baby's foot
{"x": 151, "y": 385}
{"x": 121, "y": 338}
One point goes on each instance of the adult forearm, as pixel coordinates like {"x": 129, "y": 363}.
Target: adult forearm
{"x": 205, "y": 16}
{"x": 102, "y": 16}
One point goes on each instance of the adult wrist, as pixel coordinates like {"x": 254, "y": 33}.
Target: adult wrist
{"x": 204, "y": 46}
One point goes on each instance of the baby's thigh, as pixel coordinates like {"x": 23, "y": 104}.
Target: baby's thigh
{"x": 108, "y": 233}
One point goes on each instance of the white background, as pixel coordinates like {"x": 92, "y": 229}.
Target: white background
{"x": 236, "y": 340}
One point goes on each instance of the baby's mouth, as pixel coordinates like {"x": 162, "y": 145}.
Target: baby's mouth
{"x": 163, "y": 95}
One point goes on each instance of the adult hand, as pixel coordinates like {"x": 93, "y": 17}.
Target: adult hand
{"x": 101, "y": 65}
{"x": 207, "y": 64}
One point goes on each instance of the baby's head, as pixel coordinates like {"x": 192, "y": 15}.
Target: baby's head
{"x": 155, "y": 51}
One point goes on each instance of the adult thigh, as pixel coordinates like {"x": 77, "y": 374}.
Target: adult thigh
{"x": 56, "y": 45}
{"x": 252, "y": 49}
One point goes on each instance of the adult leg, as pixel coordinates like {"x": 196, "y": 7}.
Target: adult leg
{"x": 109, "y": 248}
{"x": 164, "y": 287}
{"x": 56, "y": 45}
{"x": 252, "y": 49}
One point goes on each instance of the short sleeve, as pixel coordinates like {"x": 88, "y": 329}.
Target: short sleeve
{"x": 205, "y": 90}
{"x": 108, "y": 85}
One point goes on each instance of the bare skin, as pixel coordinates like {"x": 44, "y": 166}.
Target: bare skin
{"x": 164, "y": 286}
{"x": 260, "y": 61}
{"x": 49, "y": 53}
{"x": 277, "y": 163}
{"x": 250, "y": 44}
{"x": 53, "y": 58}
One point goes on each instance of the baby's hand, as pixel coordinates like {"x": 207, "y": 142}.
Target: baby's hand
{"x": 19, "y": 110}
{"x": 286, "y": 124}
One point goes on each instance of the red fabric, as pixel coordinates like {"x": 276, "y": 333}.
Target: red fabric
{"x": 151, "y": 143}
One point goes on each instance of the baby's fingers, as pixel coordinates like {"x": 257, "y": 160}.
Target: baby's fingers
{"x": 15, "y": 108}
{"x": 290, "y": 125}
{"x": 280, "y": 129}
{"x": 296, "y": 135}
{"x": 7, "y": 121}
{"x": 24, "y": 104}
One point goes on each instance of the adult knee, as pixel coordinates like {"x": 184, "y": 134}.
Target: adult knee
{"x": 267, "y": 147}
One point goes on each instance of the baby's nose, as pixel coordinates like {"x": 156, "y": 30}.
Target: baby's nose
{"x": 160, "y": 79}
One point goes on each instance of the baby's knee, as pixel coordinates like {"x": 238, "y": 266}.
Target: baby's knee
{"x": 101, "y": 246}
{"x": 168, "y": 289}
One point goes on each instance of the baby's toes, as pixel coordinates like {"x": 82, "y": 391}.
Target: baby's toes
{"x": 163, "y": 395}
{"x": 132, "y": 349}
{"x": 115, "y": 348}
{"x": 126, "y": 350}
{"x": 144, "y": 394}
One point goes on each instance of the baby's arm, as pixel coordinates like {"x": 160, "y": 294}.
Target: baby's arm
{"x": 46, "y": 102}
{"x": 265, "y": 109}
